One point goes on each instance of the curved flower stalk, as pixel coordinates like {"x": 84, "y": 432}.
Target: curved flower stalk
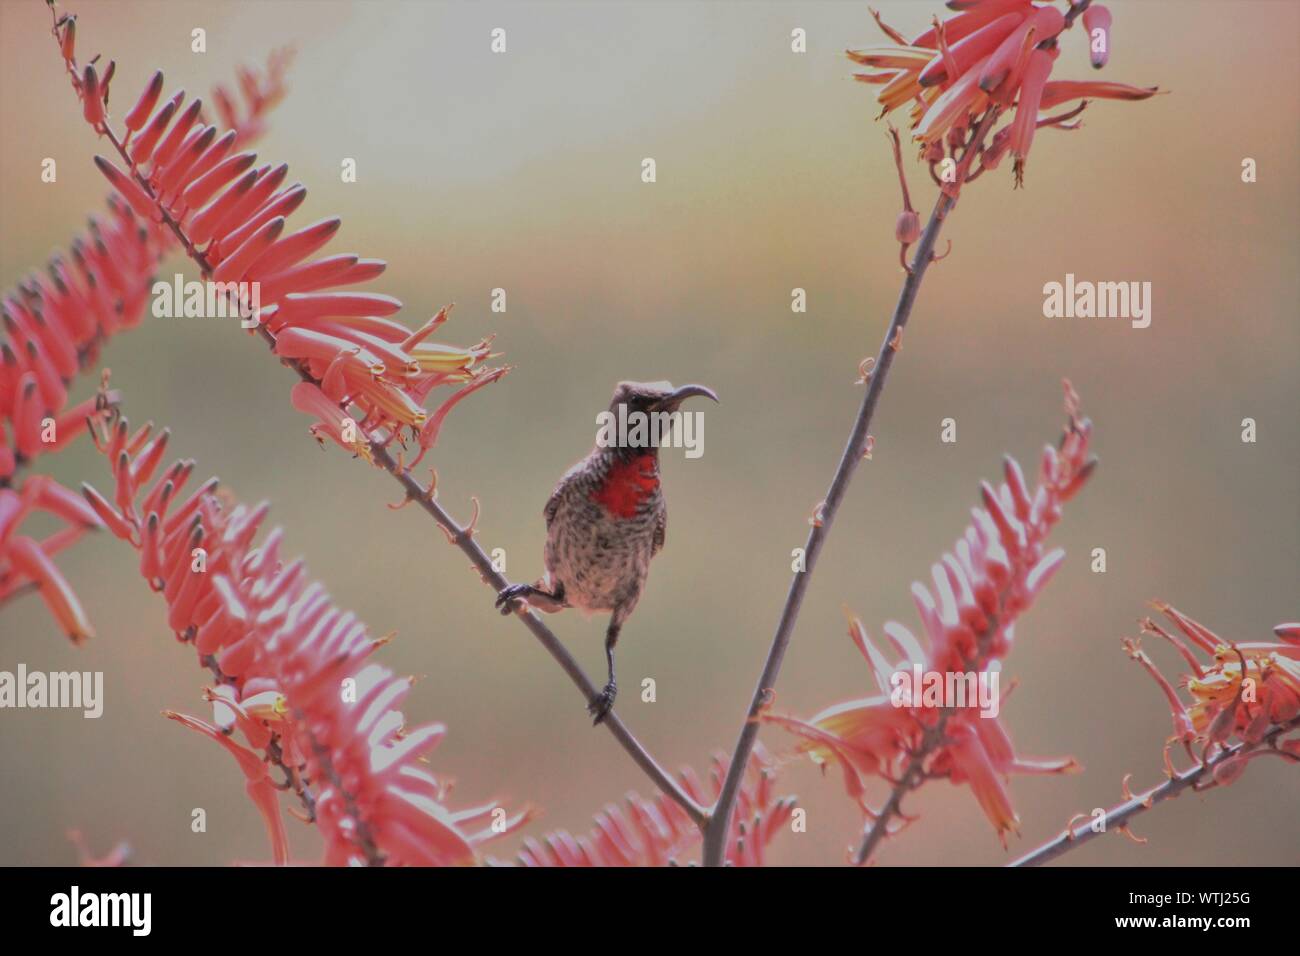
{"x": 992, "y": 54}
{"x": 907, "y": 735}
{"x": 231, "y": 216}
{"x": 55, "y": 324}
{"x": 658, "y": 832}
{"x": 293, "y": 672}
{"x": 1241, "y": 704}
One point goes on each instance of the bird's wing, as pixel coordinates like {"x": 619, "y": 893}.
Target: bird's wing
{"x": 661, "y": 529}
{"x": 553, "y": 502}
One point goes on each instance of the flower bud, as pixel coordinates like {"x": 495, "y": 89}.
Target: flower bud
{"x": 1096, "y": 21}
{"x": 68, "y": 46}
{"x": 908, "y": 228}
{"x": 92, "y": 96}
{"x": 994, "y": 152}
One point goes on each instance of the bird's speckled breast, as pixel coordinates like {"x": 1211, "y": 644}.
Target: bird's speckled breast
{"x": 601, "y": 540}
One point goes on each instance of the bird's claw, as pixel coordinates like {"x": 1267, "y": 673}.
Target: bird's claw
{"x": 508, "y": 595}
{"x": 603, "y": 703}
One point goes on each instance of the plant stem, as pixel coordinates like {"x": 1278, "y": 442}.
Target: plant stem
{"x": 1117, "y": 817}
{"x": 911, "y": 777}
{"x": 715, "y": 833}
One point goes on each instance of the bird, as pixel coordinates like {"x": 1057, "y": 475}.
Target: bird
{"x": 606, "y": 519}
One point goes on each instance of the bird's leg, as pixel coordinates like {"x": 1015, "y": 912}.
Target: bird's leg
{"x": 605, "y": 699}
{"x": 548, "y": 602}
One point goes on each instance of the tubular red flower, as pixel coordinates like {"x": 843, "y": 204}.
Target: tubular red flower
{"x": 1062, "y": 91}
{"x": 92, "y": 97}
{"x": 1096, "y": 21}
{"x": 29, "y": 559}
{"x": 1025, "y": 123}
{"x": 980, "y": 590}
{"x": 297, "y": 679}
{"x": 972, "y": 49}
{"x": 1243, "y": 694}
{"x": 139, "y": 114}
{"x": 176, "y": 135}
{"x": 56, "y": 322}
{"x": 1044, "y": 24}
{"x": 995, "y": 54}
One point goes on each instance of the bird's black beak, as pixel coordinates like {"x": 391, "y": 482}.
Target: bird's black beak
{"x": 675, "y": 399}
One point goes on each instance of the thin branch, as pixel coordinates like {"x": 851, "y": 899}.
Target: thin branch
{"x": 716, "y": 832}
{"x": 1117, "y": 817}
{"x": 912, "y": 777}
{"x": 461, "y": 537}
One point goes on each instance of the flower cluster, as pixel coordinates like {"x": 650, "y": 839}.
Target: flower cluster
{"x": 658, "y": 832}
{"x": 55, "y": 324}
{"x": 1242, "y": 695}
{"x": 232, "y": 218}
{"x": 994, "y": 55}
{"x": 981, "y": 588}
{"x": 294, "y": 676}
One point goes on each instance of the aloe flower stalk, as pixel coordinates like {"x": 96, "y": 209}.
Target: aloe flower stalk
{"x": 981, "y": 588}
{"x": 1242, "y": 703}
{"x": 293, "y": 671}
{"x": 231, "y": 216}
{"x": 55, "y": 324}
{"x": 994, "y": 53}
{"x": 1243, "y": 692}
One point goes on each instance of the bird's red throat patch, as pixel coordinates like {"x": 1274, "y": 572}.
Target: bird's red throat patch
{"x": 627, "y": 485}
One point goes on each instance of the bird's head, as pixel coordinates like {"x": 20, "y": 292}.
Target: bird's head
{"x": 642, "y": 415}
{"x": 650, "y": 397}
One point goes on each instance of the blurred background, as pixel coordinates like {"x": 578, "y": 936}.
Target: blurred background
{"x": 522, "y": 171}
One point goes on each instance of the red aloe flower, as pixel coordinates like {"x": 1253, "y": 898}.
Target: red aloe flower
{"x": 27, "y": 564}
{"x": 981, "y": 588}
{"x": 55, "y": 324}
{"x": 658, "y": 832}
{"x": 1242, "y": 694}
{"x": 994, "y": 54}
{"x": 293, "y": 671}
{"x": 231, "y": 216}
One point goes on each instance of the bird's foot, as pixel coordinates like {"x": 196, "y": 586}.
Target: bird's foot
{"x": 603, "y": 703}
{"x": 508, "y": 595}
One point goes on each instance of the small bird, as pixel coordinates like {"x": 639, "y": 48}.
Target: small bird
{"x": 605, "y": 520}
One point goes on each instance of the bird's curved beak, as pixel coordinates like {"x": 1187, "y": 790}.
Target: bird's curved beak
{"x": 675, "y": 399}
